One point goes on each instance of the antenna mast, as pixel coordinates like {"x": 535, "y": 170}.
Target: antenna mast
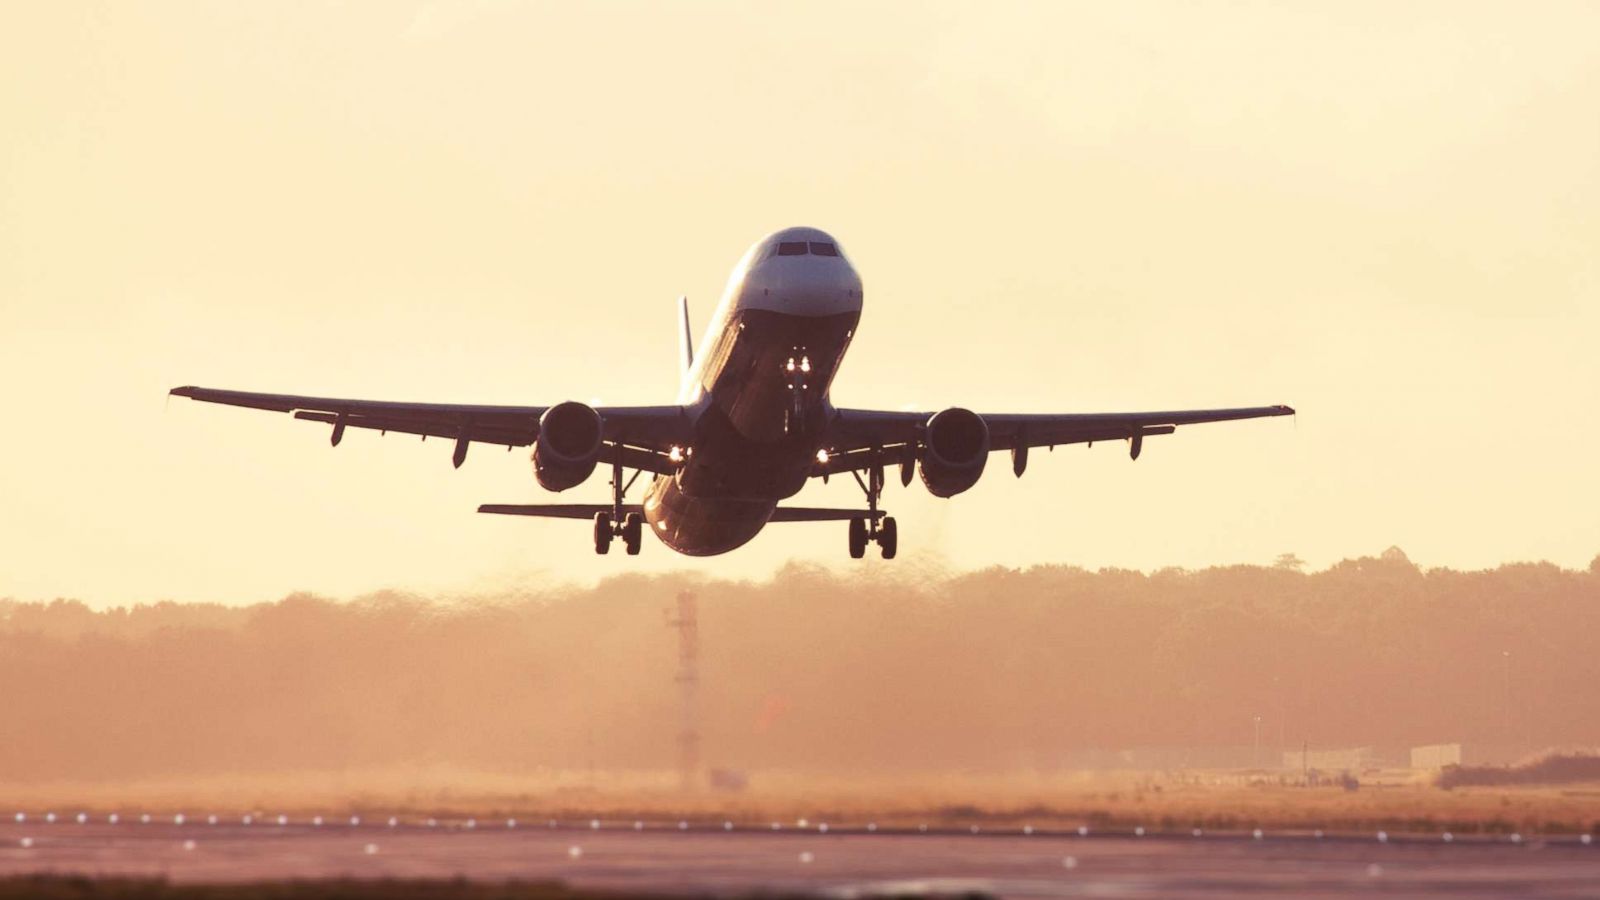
{"x": 688, "y": 626}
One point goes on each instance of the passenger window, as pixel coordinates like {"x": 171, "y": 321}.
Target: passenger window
{"x": 823, "y": 249}
{"x": 791, "y": 248}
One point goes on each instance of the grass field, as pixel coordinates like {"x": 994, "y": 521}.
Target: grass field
{"x": 1396, "y": 801}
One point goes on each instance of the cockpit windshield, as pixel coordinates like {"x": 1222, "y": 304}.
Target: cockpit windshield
{"x": 804, "y": 248}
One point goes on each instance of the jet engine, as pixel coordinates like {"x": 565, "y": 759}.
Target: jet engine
{"x": 568, "y": 446}
{"x": 955, "y": 447}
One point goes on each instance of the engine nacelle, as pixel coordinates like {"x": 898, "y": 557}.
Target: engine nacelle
{"x": 955, "y": 448}
{"x": 568, "y": 447}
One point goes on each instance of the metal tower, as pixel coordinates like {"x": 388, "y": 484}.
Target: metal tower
{"x": 688, "y": 626}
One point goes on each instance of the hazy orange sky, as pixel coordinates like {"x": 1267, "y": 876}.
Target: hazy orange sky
{"x": 1383, "y": 214}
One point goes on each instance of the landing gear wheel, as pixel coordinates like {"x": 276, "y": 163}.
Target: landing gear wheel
{"x": 602, "y": 533}
{"x": 888, "y": 537}
{"x": 632, "y": 532}
{"x": 858, "y": 538}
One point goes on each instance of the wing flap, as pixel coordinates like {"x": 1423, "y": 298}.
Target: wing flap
{"x": 654, "y": 429}
{"x": 855, "y": 430}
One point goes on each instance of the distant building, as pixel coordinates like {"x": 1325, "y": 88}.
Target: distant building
{"x": 1350, "y": 759}
{"x": 1436, "y": 756}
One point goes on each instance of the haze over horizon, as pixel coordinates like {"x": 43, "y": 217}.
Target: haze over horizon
{"x": 1381, "y": 215}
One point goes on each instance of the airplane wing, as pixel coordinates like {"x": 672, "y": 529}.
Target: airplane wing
{"x": 638, "y": 436}
{"x": 855, "y": 433}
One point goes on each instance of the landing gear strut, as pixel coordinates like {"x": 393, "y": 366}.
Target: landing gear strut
{"x": 874, "y": 527}
{"x": 629, "y": 526}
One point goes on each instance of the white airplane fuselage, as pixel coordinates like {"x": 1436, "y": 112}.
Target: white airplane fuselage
{"x": 758, "y": 392}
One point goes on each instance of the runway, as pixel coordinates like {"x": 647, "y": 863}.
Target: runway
{"x": 730, "y": 858}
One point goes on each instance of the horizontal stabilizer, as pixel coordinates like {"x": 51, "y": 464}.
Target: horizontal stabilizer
{"x": 587, "y": 511}
{"x": 816, "y": 514}
{"x": 557, "y": 510}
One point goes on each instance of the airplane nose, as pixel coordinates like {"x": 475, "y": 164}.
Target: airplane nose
{"x": 807, "y": 286}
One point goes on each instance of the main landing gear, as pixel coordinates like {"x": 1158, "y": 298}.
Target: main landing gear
{"x": 629, "y": 526}
{"x": 873, "y": 527}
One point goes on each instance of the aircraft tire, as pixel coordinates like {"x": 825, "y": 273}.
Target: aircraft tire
{"x": 858, "y": 538}
{"x": 602, "y": 533}
{"x": 633, "y": 533}
{"x": 889, "y": 537}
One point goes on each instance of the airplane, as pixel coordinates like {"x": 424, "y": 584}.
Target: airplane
{"x": 753, "y": 423}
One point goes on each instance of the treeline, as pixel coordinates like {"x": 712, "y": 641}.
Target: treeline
{"x": 814, "y": 670}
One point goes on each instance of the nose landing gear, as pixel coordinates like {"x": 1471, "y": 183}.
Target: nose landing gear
{"x": 874, "y": 527}
{"x": 796, "y": 373}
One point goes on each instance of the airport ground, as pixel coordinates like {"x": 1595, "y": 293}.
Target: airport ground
{"x": 1191, "y": 835}
{"x": 1399, "y": 801}
{"x": 727, "y": 860}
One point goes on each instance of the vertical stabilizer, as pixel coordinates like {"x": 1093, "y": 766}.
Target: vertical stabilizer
{"x": 685, "y": 340}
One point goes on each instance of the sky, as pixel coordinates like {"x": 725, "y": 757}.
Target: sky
{"x": 1381, "y": 214}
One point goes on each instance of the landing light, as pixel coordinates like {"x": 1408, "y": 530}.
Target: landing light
{"x": 822, "y": 457}
{"x": 805, "y": 363}
{"x": 675, "y": 454}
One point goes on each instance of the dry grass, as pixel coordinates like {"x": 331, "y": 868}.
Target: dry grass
{"x": 1399, "y": 801}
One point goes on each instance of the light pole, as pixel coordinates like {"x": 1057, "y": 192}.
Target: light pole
{"x": 1505, "y": 696}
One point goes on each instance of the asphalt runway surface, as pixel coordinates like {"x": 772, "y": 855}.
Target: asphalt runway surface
{"x": 728, "y": 858}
